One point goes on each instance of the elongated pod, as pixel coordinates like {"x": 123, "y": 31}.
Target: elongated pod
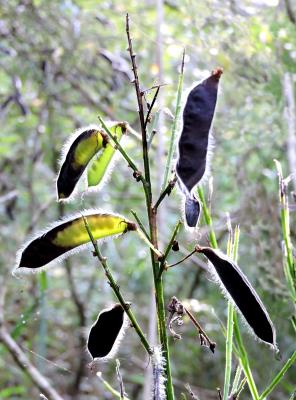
{"x": 197, "y": 119}
{"x": 98, "y": 168}
{"x": 106, "y": 333}
{"x": 87, "y": 142}
{"x": 243, "y": 294}
{"x": 192, "y": 210}
{"x": 67, "y": 235}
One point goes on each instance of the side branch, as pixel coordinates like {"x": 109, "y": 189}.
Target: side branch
{"x": 24, "y": 363}
{"x": 166, "y": 191}
{"x": 115, "y": 287}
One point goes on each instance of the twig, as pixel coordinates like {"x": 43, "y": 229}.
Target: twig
{"x": 151, "y": 107}
{"x": 119, "y": 377}
{"x": 168, "y": 249}
{"x": 137, "y": 174}
{"x": 147, "y": 241}
{"x": 140, "y": 223}
{"x": 24, "y": 363}
{"x": 140, "y": 103}
{"x": 212, "y": 345}
{"x": 116, "y": 290}
{"x": 183, "y": 259}
{"x": 166, "y": 191}
{"x": 109, "y": 387}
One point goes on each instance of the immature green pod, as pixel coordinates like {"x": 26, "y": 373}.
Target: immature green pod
{"x": 98, "y": 170}
{"x": 194, "y": 140}
{"x": 77, "y": 154}
{"x": 192, "y": 210}
{"x": 66, "y": 236}
{"x": 243, "y": 294}
{"x": 107, "y": 332}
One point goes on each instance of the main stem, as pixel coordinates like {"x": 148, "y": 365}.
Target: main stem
{"x": 152, "y": 218}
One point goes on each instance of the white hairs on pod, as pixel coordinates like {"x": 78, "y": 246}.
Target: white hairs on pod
{"x": 95, "y": 363}
{"x": 64, "y": 151}
{"x": 158, "y": 365}
{"x": 93, "y": 211}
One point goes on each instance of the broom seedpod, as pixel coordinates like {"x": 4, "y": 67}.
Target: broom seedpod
{"x": 106, "y": 333}
{"x": 243, "y": 294}
{"x": 99, "y": 167}
{"x": 68, "y": 235}
{"x": 197, "y": 119}
{"x": 192, "y": 210}
{"x": 87, "y": 142}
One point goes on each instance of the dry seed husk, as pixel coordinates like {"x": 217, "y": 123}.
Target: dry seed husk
{"x": 67, "y": 235}
{"x": 194, "y": 140}
{"x": 81, "y": 151}
{"x": 105, "y": 332}
{"x": 242, "y": 293}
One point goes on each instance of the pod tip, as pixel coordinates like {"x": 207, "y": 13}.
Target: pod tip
{"x": 217, "y": 72}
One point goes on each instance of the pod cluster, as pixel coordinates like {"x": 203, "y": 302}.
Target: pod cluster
{"x": 194, "y": 141}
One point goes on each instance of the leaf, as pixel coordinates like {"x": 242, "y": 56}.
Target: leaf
{"x": 243, "y": 294}
{"x": 98, "y": 170}
{"x": 85, "y": 143}
{"x": 197, "y": 119}
{"x": 106, "y": 333}
{"x": 67, "y": 235}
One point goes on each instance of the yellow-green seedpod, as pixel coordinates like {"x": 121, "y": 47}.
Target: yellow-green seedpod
{"x": 88, "y": 142}
{"x": 98, "y": 169}
{"x": 69, "y": 235}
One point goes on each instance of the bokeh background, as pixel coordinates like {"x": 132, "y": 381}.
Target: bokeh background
{"x": 64, "y": 62}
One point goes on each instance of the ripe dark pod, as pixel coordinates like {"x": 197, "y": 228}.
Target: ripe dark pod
{"x": 87, "y": 142}
{"x": 197, "y": 119}
{"x": 106, "y": 332}
{"x": 192, "y": 210}
{"x": 243, "y": 294}
{"x": 67, "y": 235}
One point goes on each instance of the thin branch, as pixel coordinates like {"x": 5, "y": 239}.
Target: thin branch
{"x": 212, "y": 345}
{"x": 140, "y": 224}
{"x": 147, "y": 119}
{"x": 140, "y": 103}
{"x": 182, "y": 259}
{"x": 24, "y": 363}
{"x": 168, "y": 249}
{"x": 166, "y": 191}
{"x": 116, "y": 290}
{"x": 137, "y": 174}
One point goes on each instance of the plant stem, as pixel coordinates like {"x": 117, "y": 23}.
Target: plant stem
{"x": 278, "y": 377}
{"x": 140, "y": 223}
{"x": 116, "y": 290}
{"x": 232, "y": 251}
{"x": 208, "y": 218}
{"x": 152, "y": 218}
{"x": 166, "y": 191}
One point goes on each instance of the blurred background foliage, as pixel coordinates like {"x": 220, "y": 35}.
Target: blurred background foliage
{"x": 62, "y": 63}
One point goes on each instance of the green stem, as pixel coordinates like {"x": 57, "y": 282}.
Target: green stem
{"x": 169, "y": 247}
{"x": 208, "y": 218}
{"x": 244, "y": 360}
{"x": 232, "y": 251}
{"x": 278, "y": 377}
{"x": 109, "y": 387}
{"x": 116, "y": 290}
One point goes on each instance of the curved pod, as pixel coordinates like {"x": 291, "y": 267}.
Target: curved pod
{"x": 243, "y": 294}
{"x": 68, "y": 235}
{"x": 87, "y": 142}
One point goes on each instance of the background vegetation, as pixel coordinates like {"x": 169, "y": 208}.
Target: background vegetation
{"x": 62, "y": 63}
